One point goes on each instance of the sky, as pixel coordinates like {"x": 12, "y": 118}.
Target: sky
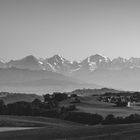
{"x": 75, "y": 29}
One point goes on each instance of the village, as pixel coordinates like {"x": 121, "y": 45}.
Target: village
{"x": 125, "y": 99}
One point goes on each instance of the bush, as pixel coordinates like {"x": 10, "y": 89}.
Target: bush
{"x": 19, "y": 108}
{"x": 133, "y": 118}
{"x": 110, "y": 119}
{"x": 2, "y": 107}
{"x": 85, "y": 118}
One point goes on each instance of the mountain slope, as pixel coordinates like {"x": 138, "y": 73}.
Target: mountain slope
{"x": 24, "y": 80}
{"x": 126, "y": 79}
{"x": 29, "y": 62}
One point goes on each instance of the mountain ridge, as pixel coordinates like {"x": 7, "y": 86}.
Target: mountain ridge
{"x": 120, "y": 73}
{"x": 59, "y": 64}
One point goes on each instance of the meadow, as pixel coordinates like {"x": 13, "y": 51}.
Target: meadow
{"x": 90, "y": 104}
{"x": 55, "y": 129}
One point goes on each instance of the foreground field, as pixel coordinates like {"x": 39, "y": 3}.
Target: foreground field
{"x": 4, "y": 129}
{"x": 41, "y": 128}
{"x": 56, "y": 129}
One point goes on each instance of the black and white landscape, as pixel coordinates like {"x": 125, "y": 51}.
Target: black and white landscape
{"x": 69, "y": 69}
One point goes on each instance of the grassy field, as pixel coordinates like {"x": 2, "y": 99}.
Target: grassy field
{"x": 29, "y": 121}
{"x": 90, "y": 104}
{"x": 56, "y": 129}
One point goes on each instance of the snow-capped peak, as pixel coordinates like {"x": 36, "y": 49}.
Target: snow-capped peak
{"x": 97, "y": 58}
{"x": 57, "y": 58}
{"x": 2, "y": 61}
{"x": 40, "y": 62}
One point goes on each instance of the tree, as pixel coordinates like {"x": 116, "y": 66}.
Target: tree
{"x": 36, "y": 102}
{"x": 46, "y": 97}
{"x": 19, "y": 108}
{"x": 59, "y": 96}
{"x": 2, "y": 107}
{"x": 73, "y": 95}
{"x": 110, "y": 119}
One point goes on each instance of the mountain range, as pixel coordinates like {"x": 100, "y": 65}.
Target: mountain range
{"x": 61, "y": 65}
{"x": 93, "y": 71}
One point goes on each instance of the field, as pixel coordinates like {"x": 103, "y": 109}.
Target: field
{"x": 58, "y": 129}
{"x": 41, "y": 128}
{"x": 90, "y": 104}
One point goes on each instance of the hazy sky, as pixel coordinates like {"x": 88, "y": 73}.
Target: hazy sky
{"x": 74, "y": 29}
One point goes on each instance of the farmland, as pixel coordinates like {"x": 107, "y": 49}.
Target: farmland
{"x": 90, "y": 104}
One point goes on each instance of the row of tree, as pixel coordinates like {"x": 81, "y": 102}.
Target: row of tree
{"x": 38, "y": 108}
{"x": 50, "y": 108}
{"x": 92, "y": 119}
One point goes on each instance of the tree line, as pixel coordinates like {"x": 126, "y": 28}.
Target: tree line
{"x": 50, "y": 108}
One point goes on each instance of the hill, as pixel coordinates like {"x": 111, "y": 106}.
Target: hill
{"x": 15, "y": 97}
{"x": 89, "y": 92}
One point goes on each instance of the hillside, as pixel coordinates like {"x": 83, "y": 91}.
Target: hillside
{"x": 38, "y": 81}
{"x": 89, "y": 92}
{"x": 15, "y": 97}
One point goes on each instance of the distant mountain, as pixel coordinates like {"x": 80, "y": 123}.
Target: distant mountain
{"x": 61, "y": 65}
{"x": 97, "y": 69}
{"x": 29, "y": 62}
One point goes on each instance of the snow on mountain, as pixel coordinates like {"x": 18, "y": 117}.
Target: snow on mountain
{"x": 2, "y": 63}
{"x": 61, "y": 65}
{"x": 94, "y": 62}
{"x": 56, "y": 63}
{"x": 92, "y": 66}
{"x": 120, "y": 72}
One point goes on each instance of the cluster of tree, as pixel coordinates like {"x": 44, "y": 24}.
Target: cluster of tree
{"x": 49, "y": 107}
{"x": 126, "y": 94}
{"x": 120, "y": 98}
{"x": 119, "y": 101}
{"x": 92, "y": 119}
{"x": 111, "y": 119}
{"x": 57, "y": 96}
{"x": 85, "y": 118}
{"x": 38, "y": 108}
